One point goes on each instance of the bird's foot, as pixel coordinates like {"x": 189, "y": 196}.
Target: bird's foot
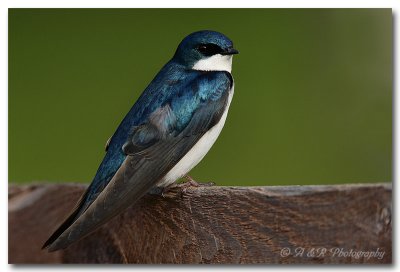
{"x": 167, "y": 189}
{"x": 162, "y": 191}
{"x": 190, "y": 182}
{"x": 183, "y": 187}
{"x": 193, "y": 183}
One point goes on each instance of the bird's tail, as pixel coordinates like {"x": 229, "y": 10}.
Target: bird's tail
{"x": 67, "y": 222}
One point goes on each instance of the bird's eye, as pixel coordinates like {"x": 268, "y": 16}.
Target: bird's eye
{"x": 209, "y": 49}
{"x": 202, "y": 48}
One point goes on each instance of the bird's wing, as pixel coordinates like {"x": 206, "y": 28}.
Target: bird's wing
{"x": 107, "y": 144}
{"x": 152, "y": 150}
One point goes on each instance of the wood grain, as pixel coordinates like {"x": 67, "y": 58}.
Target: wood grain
{"x": 227, "y": 225}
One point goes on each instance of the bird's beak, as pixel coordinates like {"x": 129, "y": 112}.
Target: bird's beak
{"x": 230, "y": 51}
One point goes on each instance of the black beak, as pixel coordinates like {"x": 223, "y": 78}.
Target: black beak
{"x": 230, "y": 51}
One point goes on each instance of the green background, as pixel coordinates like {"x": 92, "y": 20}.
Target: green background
{"x": 312, "y": 104}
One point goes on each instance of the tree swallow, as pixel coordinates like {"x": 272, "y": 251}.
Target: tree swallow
{"x": 167, "y": 132}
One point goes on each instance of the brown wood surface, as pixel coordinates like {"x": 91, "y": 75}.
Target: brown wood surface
{"x": 228, "y": 225}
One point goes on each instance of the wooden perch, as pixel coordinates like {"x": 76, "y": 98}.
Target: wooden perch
{"x": 229, "y": 225}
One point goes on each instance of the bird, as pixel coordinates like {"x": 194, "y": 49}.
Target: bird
{"x": 167, "y": 132}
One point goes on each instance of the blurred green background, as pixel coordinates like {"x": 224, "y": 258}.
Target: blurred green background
{"x": 312, "y": 105}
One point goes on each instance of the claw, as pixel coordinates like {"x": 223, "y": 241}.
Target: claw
{"x": 190, "y": 182}
{"x": 194, "y": 183}
{"x": 162, "y": 191}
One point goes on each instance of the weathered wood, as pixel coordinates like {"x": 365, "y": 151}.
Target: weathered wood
{"x": 214, "y": 225}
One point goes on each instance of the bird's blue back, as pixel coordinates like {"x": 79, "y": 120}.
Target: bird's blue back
{"x": 175, "y": 85}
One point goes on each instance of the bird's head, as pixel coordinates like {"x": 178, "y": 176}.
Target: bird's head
{"x": 206, "y": 51}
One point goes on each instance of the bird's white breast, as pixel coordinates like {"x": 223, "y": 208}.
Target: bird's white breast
{"x": 198, "y": 151}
